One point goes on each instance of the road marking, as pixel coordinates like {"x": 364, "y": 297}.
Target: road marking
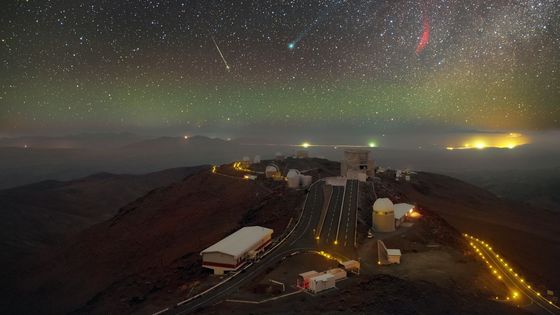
{"x": 327, "y": 238}
{"x": 341, "y": 210}
{"x": 323, "y": 218}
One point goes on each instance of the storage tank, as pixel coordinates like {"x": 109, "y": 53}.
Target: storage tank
{"x": 306, "y": 180}
{"x": 383, "y": 215}
{"x": 294, "y": 178}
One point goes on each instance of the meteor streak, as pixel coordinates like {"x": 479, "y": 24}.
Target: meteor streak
{"x": 221, "y": 55}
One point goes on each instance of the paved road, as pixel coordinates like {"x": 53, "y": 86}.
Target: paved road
{"x": 523, "y": 292}
{"x": 347, "y": 225}
{"x": 330, "y": 224}
{"x": 301, "y": 238}
{"x": 338, "y": 232}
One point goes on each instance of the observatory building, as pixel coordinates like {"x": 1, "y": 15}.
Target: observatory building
{"x": 383, "y": 216}
{"x": 387, "y": 217}
{"x": 272, "y": 170}
{"x": 297, "y": 180}
{"x": 356, "y": 164}
{"x": 233, "y": 251}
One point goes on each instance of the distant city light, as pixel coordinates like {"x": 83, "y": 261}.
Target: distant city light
{"x": 372, "y": 144}
{"x": 480, "y": 145}
{"x": 305, "y": 145}
{"x": 498, "y": 141}
{"x": 186, "y": 137}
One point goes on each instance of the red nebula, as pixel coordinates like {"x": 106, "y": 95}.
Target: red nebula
{"x": 425, "y": 35}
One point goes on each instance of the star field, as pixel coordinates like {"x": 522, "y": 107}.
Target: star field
{"x": 152, "y": 65}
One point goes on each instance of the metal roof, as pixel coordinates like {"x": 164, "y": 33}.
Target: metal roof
{"x": 240, "y": 242}
{"x": 308, "y": 274}
{"x": 322, "y": 277}
{"x": 401, "y": 209}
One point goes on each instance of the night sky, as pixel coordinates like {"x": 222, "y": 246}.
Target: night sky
{"x": 157, "y": 66}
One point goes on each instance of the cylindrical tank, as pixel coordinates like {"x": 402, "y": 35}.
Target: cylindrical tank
{"x": 293, "y": 172}
{"x": 294, "y": 178}
{"x": 306, "y": 180}
{"x": 383, "y": 215}
{"x": 293, "y": 182}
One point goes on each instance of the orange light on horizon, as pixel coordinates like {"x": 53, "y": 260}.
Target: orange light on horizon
{"x": 499, "y": 141}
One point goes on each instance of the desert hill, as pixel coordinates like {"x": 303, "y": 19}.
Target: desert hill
{"x": 522, "y": 232}
{"x": 146, "y": 256}
{"x": 43, "y": 215}
{"x": 153, "y": 240}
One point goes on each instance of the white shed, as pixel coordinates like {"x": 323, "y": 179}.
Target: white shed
{"x": 304, "y": 278}
{"x": 393, "y": 256}
{"x": 321, "y": 283}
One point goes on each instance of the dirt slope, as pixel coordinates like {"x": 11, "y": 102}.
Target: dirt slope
{"x": 153, "y": 240}
{"x": 527, "y": 236}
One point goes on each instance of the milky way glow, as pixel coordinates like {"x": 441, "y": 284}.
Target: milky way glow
{"x": 162, "y": 67}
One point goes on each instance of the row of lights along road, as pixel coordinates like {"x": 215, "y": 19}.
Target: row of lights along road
{"x": 473, "y": 241}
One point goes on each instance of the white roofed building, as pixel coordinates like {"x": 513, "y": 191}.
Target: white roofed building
{"x": 233, "y": 251}
{"x": 322, "y": 282}
{"x": 401, "y": 212}
{"x": 387, "y": 256}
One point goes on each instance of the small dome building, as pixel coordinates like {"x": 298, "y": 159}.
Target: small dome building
{"x": 383, "y": 216}
{"x": 272, "y": 170}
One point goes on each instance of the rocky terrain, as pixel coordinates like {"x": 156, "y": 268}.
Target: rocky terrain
{"x": 40, "y": 217}
{"x": 380, "y": 294}
{"x": 147, "y": 256}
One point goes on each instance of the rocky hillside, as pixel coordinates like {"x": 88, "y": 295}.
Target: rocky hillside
{"x": 526, "y": 235}
{"x": 147, "y": 255}
{"x": 151, "y": 246}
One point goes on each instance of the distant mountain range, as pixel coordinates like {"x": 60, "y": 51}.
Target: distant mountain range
{"x": 31, "y": 159}
{"x": 537, "y": 187}
{"x": 44, "y": 215}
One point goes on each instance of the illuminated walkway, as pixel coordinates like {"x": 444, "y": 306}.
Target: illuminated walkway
{"x": 520, "y": 289}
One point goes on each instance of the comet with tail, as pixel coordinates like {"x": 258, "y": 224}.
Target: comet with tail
{"x": 324, "y": 14}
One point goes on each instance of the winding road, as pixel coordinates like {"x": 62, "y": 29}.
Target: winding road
{"x": 301, "y": 238}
